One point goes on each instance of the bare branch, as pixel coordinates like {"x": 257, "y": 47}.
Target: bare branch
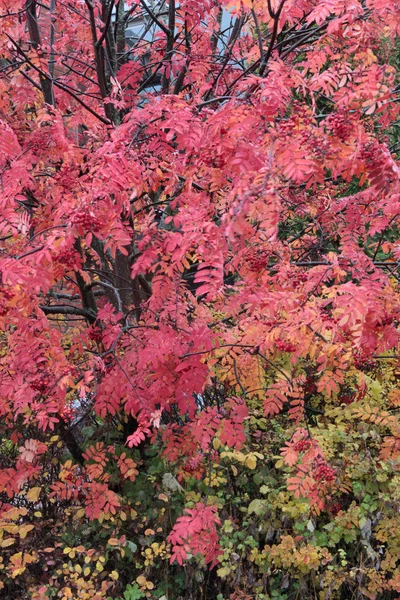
{"x": 59, "y": 85}
{"x": 155, "y": 19}
{"x": 106, "y": 25}
{"x": 274, "y": 33}
{"x": 67, "y": 310}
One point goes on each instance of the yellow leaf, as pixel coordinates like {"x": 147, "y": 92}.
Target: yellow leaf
{"x": 251, "y": 462}
{"x": 33, "y": 494}
{"x": 163, "y": 497}
{"x": 239, "y": 456}
{"x": 149, "y": 532}
{"x": 9, "y": 528}
{"x": 216, "y": 443}
{"x": 67, "y": 550}
{"x": 7, "y": 542}
{"x": 86, "y": 571}
{"x": 24, "y": 530}
{"x": 79, "y": 513}
{"x": 141, "y": 580}
{"x": 14, "y": 513}
{"x": 78, "y": 568}
{"x": 114, "y": 575}
{"x": 18, "y": 571}
{"x": 99, "y": 567}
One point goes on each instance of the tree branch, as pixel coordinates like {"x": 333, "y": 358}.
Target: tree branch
{"x": 274, "y": 33}
{"x": 170, "y": 46}
{"x": 155, "y": 19}
{"x": 67, "y": 310}
{"x": 106, "y": 25}
{"x": 34, "y": 34}
{"x": 59, "y": 85}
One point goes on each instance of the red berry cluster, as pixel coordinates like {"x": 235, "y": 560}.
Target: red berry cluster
{"x": 213, "y": 160}
{"x": 86, "y": 220}
{"x": 257, "y": 261}
{"x": 298, "y": 279}
{"x": 302, "y": 445}
{"x": 364, "y": 363}
{"x": 369, "y": 153}
{"x": 321, "y": 148}
{"x": 38, "y": 142}
{"x": 335, "y": 509}
{"x": 325, "y": 317}
{"x": 94, "y": 334}
{"x": 287, "y": 127}
{"x": 388, "y": 320}
{"x": 300, "y": 118}
{"x": 7, "y": 294}
{"x": 40, "y": 384}
{"x": 284, "y": 346}
{"x": 322, "y": 471}
{"x": 340, "y": 125}
{"x": 68, "y": 257}
{"x": 68, "y": 413}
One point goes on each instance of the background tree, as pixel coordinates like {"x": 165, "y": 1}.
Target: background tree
{"x": 199, "y": 299}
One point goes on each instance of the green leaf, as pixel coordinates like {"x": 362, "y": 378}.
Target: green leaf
{"x": 133, "y": 592}
{"x": 257, "y": 507}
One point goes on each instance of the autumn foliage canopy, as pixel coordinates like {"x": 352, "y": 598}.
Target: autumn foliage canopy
{"x": 199, "y": 299}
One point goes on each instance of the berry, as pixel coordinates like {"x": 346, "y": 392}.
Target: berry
{"x": 41, "y": 384}
{"x": 8, "y": 294}
{"x": 388, "y": 320}
{"x": 322, "y": 471}
{"x": 68, "y": 258}
{"x": 340, "y": 126}
{"x": 257, "y": 260}
{"x": 285, "y": 346}
{"x": 298, "y": 279}
{"x": 86, "y": 220}
{"x": 302, "y": 445}
{"x": 364, "y": 363}
{"x": 335, "y": 509}
{"x": 67, "y": 413}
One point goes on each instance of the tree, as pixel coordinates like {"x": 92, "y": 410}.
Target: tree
{"x": 199, "y": 299}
